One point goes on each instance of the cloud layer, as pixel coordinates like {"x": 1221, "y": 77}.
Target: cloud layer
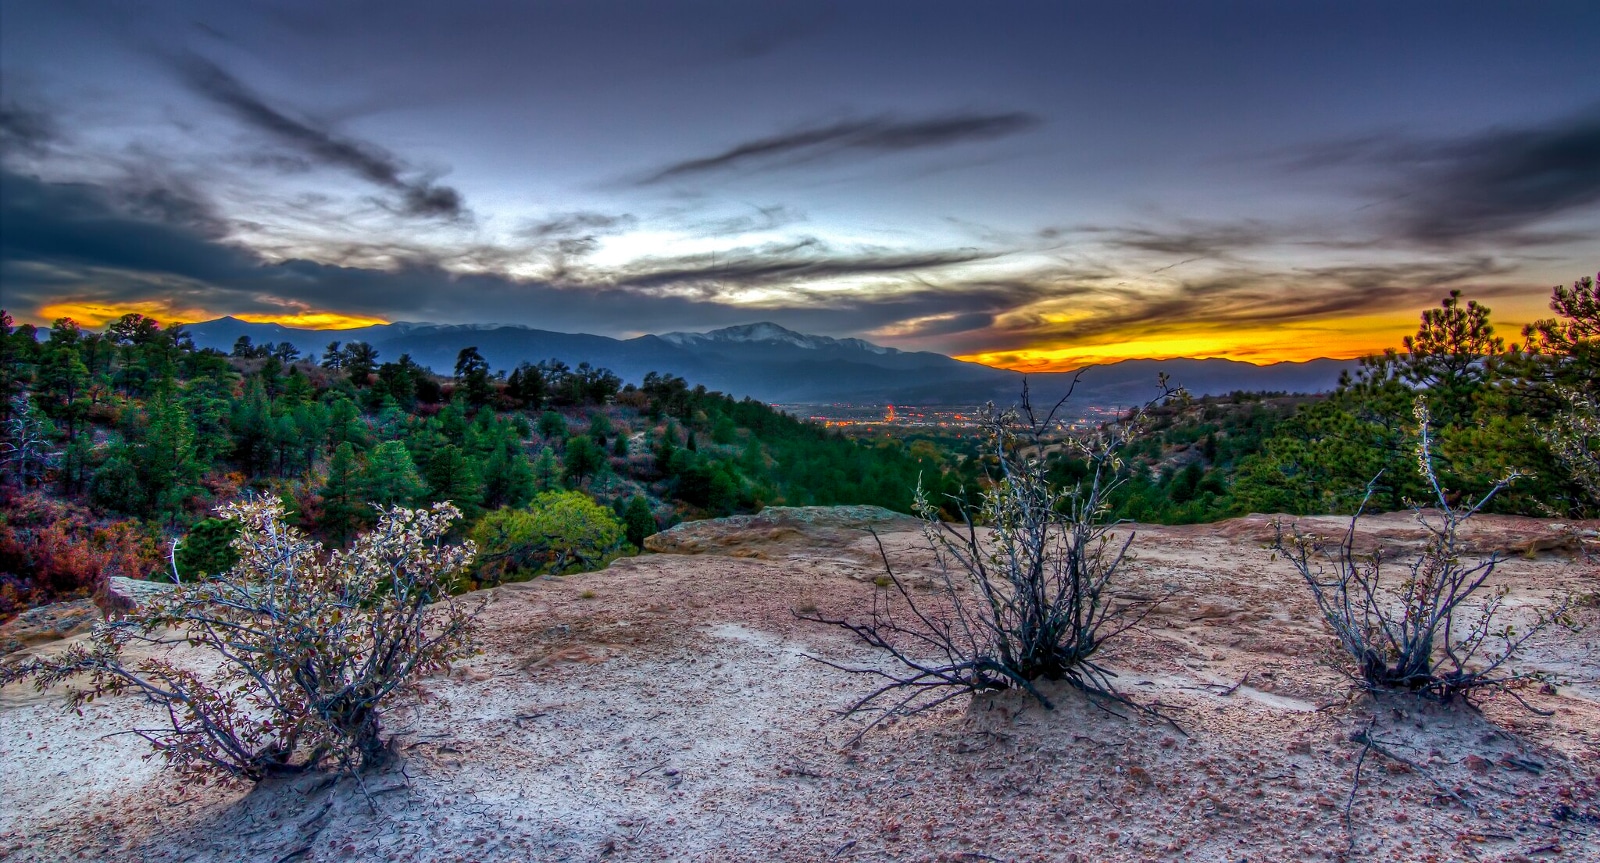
{"x": 858, "y": 138}
{"x": 418, "y": 196}
{"x": 1494, "y": 185}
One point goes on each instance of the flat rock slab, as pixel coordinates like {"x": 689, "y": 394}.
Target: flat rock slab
{"x": 47, "y": 623}
{"x": 750, "y": 535}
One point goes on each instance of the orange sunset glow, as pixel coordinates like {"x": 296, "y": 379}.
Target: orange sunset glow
{"x": 1347, "y": 338}
{"x": 96, "y": 315}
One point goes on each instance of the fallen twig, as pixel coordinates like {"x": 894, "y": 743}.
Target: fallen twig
{"x": 1366, "y": 737}
{"x": 1392, "y": 755}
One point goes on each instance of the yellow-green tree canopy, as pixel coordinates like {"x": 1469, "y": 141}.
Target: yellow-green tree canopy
{"x": 559, "y": 532}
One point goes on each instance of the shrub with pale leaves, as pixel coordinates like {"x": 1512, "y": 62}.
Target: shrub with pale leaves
{"x": 311, "y": 646}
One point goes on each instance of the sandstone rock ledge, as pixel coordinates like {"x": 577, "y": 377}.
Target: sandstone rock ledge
{"x": 756, "y": 535}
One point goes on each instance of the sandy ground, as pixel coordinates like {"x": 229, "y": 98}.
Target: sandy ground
{"x": 666, "y": 709}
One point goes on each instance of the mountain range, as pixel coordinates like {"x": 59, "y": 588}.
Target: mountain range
{"x": 777, "y": 365}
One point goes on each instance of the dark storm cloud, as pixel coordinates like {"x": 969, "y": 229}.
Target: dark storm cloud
{"x": 860, "y": 137}
{"x": 74, "y": 225}
{"x": 24, "y": 129}
{"x": 1489, "y": 186}
{"x": 420, "y": 197}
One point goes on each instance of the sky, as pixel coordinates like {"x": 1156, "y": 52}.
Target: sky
{"x": 1029, "y": 185}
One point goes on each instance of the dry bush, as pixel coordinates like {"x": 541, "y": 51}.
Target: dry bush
{"x": 1026, "y": 599}
{"x": 311, "y": 645}
{"x": 52, "y": 550}
{"x": 1430, "y": 631}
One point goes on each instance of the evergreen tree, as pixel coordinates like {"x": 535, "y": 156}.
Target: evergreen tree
{"x": 508, "y": 479}
{"x": 546, "y": 470}
{"x": 453, "y": 476}
{"x": 333, "y": 357}
{"x": 11, "y": 379}
{"x": 472, "y": 374}
{"x": 390, "y": 477}
{"x": 638, "y": 520}
{"x": 251, "y": 428}
{"x": 116, "y": 486}
{"x": 63, "y": 377}
{"x": 582, "y": 460}
{"x": 342, "y": 504}
{"x": 345, "y": 424}
{"x": 361, "y": 362}
{"x": 167, "y": 460}
{"x": 526, "y": 387}
{"x": 208, "y": 549}
{"x": 552, "y": 426}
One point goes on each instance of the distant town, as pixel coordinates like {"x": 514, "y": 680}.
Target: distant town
{"x": 885, "y": 417}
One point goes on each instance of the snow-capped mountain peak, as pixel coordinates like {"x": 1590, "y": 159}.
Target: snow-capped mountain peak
{"x": 766, "y": 331}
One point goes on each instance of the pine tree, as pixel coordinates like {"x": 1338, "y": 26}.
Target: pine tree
{"x": 390, "y": 477}
{"x": 361, "y": 361}
{"x": 546, "y": 470}
{"x": 582, "y": 460}
{"x": 638, "y": 520}
{"x": 452, "y": 476}
{"x": 167, "y": 460}
{"x": 508, "y": 479}
{"x": 63, "y": 377}
{"x": 472, "y": 373}
{"x": 116, "y": 486}
{"x": 342, "y": 506}
{"x": 11, "y": 378}
{"x": 552, "y": 426}
{"x": 333, "y": 358}
{"x": 207, "y": 550}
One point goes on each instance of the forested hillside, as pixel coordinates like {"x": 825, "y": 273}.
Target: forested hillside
{"x": 1494, "y": 408}
{"x": 118, "y": 444}
{"x": 122, "y": 441}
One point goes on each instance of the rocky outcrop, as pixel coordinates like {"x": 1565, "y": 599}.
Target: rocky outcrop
{"x": 776, "y": 527}
{"x": 1399, "y": 533}
{"x": 47, "y": 623}
{"x": 118, "y": 596}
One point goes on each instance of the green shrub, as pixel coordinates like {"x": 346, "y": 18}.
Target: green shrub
{"x": 559, "y": 532}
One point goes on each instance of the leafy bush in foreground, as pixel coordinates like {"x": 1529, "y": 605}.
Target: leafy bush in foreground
{"x": 312, "y": 645}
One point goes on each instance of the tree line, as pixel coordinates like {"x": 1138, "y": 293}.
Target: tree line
{"x": 1496, "y": 407}
{"x": 122, "y": 440}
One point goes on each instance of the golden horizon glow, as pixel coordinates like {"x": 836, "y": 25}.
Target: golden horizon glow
{"x": 95, "y": 315}
{"x": 315, "y": 320}
{"x": 1258, "y": 344}
{"x": 1340, "y": 339}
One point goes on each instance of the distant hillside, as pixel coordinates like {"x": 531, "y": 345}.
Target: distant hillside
{"x": 773, "y": 364}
